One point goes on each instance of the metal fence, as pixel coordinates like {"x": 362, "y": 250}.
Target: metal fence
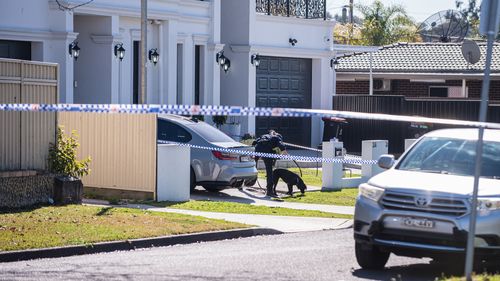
{"x": 396, "y": 132}
{"x": 25, "y": 136}
{"x": 122, "y": 148}
{"x": 308, "y": 9}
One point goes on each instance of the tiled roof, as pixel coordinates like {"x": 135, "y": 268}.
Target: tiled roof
{"x": 419, "y": 58}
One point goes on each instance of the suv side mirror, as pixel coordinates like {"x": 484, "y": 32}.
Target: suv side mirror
{"x": 386, "y": 161}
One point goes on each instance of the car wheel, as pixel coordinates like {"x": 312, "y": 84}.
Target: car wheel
{"x": 192, "y": 182}
{"x": 250, "y": 182}
{"x": 213, "y": 188}
{"x": 370, "y": 257}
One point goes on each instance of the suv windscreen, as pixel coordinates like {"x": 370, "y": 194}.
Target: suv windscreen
{"x": 452, "y": 156}
{"x": 210, "y": 133}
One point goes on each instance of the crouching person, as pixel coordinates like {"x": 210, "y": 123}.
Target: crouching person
{"x": 269, "y": 143}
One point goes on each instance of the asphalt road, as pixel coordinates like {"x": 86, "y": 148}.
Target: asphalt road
{"x": 323, "y": 255}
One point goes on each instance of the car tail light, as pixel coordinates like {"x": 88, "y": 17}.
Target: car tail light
{"x": 224, "y": 155}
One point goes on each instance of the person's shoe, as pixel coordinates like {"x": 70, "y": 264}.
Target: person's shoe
{"x": 272, "y": 194}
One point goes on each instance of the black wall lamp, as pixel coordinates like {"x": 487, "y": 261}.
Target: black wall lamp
{"x": 334, "y": 63}
{"x": 119, "y": 51}
{"x": 74, "y": 50}
{"x": 224, "y": 62}
{"x": 153, "y": 56}
{"x": 255, "y": 60}
{"x": 292, "y": 41}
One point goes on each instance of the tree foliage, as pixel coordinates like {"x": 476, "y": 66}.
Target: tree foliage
{"x": 470, "y": 11}
{"x": 384, "y": 25}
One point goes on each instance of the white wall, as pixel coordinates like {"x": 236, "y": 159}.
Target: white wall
{"x": 51, "y": 29}
{"x": 93, "y": 70}
{"x": 244, "y": 32}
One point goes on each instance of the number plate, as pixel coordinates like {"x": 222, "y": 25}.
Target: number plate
{"x": 245, "y": 158}
{"x": 419, "y": 223}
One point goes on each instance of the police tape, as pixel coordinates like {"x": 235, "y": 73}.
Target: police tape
{"x": 302, "y": 147}
{"x": 342, "y": 160}
{"x": 233, "y": 111}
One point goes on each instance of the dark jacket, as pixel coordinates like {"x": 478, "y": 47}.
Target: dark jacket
{"x": 266, "y": 143}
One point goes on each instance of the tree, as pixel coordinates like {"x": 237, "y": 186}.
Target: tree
{"x": 384, "y": 25}
{"x": 471, "y": 13}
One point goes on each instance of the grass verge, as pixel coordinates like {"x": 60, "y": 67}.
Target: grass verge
{"x": 483, "y": 277}
{"x": 81, "y": 225}
{"x": 345, "y": 197}
{"x": 240, "y": 208}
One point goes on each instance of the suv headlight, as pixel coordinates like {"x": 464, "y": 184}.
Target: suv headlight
{"x": 371, "y": 192}
{"x": 488, "y": 203}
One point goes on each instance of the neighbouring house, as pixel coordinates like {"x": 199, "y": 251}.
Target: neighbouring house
{"x": 293, "y": 41}
{"x": 418, "y": 70}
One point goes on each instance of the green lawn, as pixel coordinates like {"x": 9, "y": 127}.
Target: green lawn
{"x": 476, "y": 278}
{"x": 345, "y": 197}
{"x": 240, "y": 208}
{"x": 311, "y": 176}
{"x": 83, "y": 225}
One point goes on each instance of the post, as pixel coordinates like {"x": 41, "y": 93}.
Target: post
{"x": 144, "y": 44}
{"x": 288, "y": 8}
{"x": 307, "y": 9}
{"x": 268, "y": 7}
{"x": 371, "y": 74}
{"x": 351, "y": 8}
{"x": 324, "y": 9}
{"x": 489, "y": 25}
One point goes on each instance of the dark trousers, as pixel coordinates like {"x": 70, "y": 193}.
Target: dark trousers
{"x": 268, "y": 162}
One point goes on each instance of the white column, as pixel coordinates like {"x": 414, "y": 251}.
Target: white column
{"x": 115, "y": 64}
{"x": 56, "y": 50}
{"x": 188, "y": 71}
{"x": 212, "y": 75}
{"x": 332, "y": 172}
{"x": 372, "y": 150}
{"x": 169, "y": 61}
{"x": 173, "y": 180}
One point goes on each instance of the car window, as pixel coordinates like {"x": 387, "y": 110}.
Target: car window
{"x": 452, "y": 156}
{"x": 210, "y": 133}
{"x": 168, "y": 131}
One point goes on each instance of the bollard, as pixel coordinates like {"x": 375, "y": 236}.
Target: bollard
{"x": 409, "y": 143}
{"x": 174, "y": 172}
{"x": 372, "y": 150}
{"x": 332, "y": 172}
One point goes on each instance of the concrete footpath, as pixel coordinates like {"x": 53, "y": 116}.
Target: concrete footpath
{"x": 255, "y": 196}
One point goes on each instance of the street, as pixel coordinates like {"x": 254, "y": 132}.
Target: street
{"x": 322, "y": 255}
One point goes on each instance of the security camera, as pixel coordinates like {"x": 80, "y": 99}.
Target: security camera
{"x": 292, "y": 41}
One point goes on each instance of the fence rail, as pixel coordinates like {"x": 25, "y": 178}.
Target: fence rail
{"x": 308, "y": 9}
{"x": 396, "y": 132}
{"x": 25, "y": 136}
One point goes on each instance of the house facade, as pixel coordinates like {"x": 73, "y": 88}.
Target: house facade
{"x": 185, "y": 33}
{"x": 293, "y": 41}
{"x": 418, "y": 70}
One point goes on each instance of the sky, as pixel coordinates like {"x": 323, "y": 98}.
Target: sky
{"x": 419, "y": 10}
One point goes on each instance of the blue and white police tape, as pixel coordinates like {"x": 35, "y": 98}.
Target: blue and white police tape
{"x": 233, "y": 111}
{"x": 343, "y": 160}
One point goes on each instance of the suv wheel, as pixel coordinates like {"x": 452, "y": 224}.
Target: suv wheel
{"x": 370, "y": 257}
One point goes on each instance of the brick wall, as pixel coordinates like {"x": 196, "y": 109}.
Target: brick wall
{"x": 417, "y": 90}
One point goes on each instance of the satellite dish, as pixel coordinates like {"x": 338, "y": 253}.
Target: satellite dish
{"x": 448, "y": 26}
{"x": 470, "y": 51}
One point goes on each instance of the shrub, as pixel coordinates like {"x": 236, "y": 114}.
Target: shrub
{"x": 62, "y": 156}
{"x": 219, "y": 120}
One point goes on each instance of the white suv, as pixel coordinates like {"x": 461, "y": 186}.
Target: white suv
{"x": 420, "y": 206}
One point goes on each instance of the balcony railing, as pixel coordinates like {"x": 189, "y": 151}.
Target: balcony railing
{"x": 307, "y": 9}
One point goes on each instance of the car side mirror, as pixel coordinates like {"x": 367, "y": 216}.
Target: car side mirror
{"x": 386, "y": 161}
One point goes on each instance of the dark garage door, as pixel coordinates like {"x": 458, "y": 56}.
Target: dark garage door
{"x": 285, "y": 82}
